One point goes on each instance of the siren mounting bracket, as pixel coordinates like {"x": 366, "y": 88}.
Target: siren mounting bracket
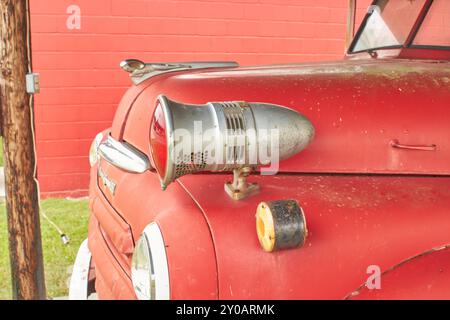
{"x": 240, "y": 188}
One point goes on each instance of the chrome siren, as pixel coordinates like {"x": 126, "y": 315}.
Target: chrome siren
{"x": 222, "y": 137}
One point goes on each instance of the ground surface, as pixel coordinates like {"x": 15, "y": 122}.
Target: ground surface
{"x": 71, "y": 216}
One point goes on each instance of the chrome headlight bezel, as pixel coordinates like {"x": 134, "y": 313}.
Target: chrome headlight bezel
{"x": 149, "y": 267}
{"x": 93, "y": 151}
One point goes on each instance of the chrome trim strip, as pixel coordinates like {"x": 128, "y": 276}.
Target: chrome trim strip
{"x": 152, "y": 69}
{"x": 123, "y": 156}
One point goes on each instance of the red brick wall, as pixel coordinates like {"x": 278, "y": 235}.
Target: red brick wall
{"x": 82, "y": 84}
{"x": 435, "y": 30}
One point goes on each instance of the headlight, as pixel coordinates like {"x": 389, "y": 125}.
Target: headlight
{"x": 149, "y": 270}
{"x": 93, "y": 152}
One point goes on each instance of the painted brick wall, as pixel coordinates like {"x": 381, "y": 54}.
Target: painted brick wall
{"x": 82, "y": 84}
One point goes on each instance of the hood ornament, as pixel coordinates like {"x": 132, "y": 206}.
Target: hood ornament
{"x": 141, "y": 71}
{"x": 131, "y": 65}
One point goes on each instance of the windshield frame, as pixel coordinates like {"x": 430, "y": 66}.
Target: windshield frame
{"x": 409, "y": 40}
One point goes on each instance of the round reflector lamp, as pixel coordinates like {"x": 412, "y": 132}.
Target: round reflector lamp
{"x": 280, "y": 225}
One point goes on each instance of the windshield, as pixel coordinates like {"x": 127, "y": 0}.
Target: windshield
{"x": 388, "y": 24}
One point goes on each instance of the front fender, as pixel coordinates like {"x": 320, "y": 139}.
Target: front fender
{"x": 138, "y": 202}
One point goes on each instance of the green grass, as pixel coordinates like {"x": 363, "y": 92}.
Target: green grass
{"x": 72, "y": 217}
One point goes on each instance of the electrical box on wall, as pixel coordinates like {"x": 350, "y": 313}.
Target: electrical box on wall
{"x": 33, "y": 85}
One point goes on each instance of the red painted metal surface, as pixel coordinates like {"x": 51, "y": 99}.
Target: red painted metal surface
{"x": 374, "y": 185}
{"x": 139, "y": 201}
{"x": 353, "y": 221}
{"x": 426, "y": 277}
{"x": 358, "y": 108}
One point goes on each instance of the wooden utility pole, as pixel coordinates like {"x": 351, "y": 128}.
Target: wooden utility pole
{"x": 22, "y": 201}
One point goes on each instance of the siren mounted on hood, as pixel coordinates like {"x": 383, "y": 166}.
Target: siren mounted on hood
{"x": 224, "y": 137}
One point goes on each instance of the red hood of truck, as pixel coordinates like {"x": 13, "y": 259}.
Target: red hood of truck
{"x": 353, "y": 221}
{"x": 357, "y": 107}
